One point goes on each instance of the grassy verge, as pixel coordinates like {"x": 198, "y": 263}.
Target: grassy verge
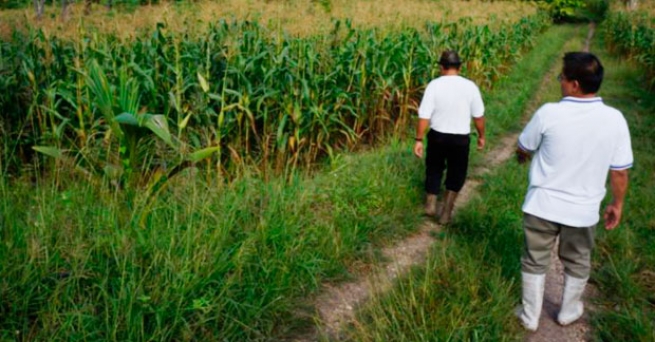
{"x": 225, "y": 262}
{"x": 467, "y": 290}
{"x": 624, "y": 262}
{"x": 217, "y": 263}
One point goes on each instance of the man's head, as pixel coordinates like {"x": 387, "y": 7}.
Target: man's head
{"x": 582, "y": 74}
{"x": 450, "y": 60}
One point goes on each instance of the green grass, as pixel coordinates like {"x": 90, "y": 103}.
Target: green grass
{"x": 470, "y": 285}
{"x": 233, "y": 261}
{"x": 218, "y": 262}
{"x": 624, "y": 262}
{"x": 224, "y": 262}
{"x": 467, "y": 290}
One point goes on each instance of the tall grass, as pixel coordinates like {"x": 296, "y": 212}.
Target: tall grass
{"x": 263, "y": 98}
{"x": 210, "y": 260}
{"x": 632, "y": 34}
{"x": 625, "y": 258}
{"x": 213, "y": 262}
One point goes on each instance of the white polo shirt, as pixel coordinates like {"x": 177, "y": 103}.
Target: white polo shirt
{"x": 449, "y": 103}
{"x": 576, "y": 142}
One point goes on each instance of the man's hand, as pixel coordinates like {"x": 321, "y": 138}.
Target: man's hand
{"x": 612, "y": 216}
{"x": 619, "y": 185}
{"x": 418, "y": 149}
{"x": 481, "y": 143}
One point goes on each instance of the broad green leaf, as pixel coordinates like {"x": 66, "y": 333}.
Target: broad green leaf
{"x": 158, "y": 125}
{"x": 49, "y": 151}
{"x": 127, "y": 119}
{"x": 103, "y": 94}
{"x": 215, "y": 97}
{"x": 202, "y": 154}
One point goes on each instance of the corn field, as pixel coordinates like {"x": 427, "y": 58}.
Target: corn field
{"x": 255, "y": 96}
{"x": 633, "y": 34}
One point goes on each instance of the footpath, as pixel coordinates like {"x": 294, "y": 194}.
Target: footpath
{"x": 336, "y": 305}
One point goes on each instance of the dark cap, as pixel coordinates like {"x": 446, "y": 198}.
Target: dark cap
{"x": 450, "y": 58}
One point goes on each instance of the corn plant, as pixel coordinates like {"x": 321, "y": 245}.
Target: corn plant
{"x": 119, "y": 107}
{"x": 633, "y": 35}
{"x": 262, "y": 98}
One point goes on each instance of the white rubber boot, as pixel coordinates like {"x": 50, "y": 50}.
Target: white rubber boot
{"x": 533, "y": 299}
{"x": 572, "y": 307}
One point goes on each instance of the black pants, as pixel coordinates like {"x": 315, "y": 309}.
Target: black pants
{"x": 448, "y": 152}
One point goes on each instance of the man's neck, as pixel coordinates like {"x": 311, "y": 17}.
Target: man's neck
{"x": 583, "y": 96}
{"x": 450, "y": 72}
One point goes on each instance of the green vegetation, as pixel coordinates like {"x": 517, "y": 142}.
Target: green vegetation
{"x": 213, "y": 262}
{"x": 260, "y": 98}
{"x": 632, "y": 34}
{"x": 561, "y": 10}
{"x": 467, "y": 290}
{"x": 575, "y": 10}
{"x": 233, "y": 247}
{"x": 624, "y": 261}
{"x": 209, "y": 259}
{"x": 469, "y": 287}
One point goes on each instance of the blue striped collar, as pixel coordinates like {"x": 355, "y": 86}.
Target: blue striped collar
{"x": 581, "y": 99}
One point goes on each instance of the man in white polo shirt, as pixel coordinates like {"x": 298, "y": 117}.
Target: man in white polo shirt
{"x": 449, "y": 103}
{"x": 574, "y": 144}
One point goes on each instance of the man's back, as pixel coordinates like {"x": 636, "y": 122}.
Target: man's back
{"x": 450, "y": 102}
{"x": 577, "y": 141}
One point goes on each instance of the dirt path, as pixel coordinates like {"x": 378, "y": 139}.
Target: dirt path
{"x": 336, "y": 305}
{"x": 549, "y": 330}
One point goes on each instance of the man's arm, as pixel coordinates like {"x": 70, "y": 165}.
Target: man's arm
{"x": 530, "y": 139}
{"x": 479, "y": 126}
{"x": 619, "y": 186}
{"x": 420, "y": 132}
{"x": 523, "y": 156}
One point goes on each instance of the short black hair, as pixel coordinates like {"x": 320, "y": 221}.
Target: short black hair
{"x": 450, "y": 59}
{"x": 585, "y": 68}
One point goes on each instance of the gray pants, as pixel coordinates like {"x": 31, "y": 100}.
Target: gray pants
{"x": 575, "y": 246}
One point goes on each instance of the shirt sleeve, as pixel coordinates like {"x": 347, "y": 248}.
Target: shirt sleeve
{"x": 622, "y": 158}
{"x": 477, "y": 106}
{"x": 427, "y": 106}
{"x": 530, "y": 138}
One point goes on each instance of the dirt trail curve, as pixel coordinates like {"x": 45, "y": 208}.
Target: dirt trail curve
{"x": 336, "y": 305}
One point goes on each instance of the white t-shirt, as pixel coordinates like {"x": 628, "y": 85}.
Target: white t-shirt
{"x": 449, "y": 103}
{"x": 576, "y": 142}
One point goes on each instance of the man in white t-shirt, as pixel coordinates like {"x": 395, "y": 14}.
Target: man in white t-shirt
{"x": 573, "y": 144}
{"x": 449, "y": 103}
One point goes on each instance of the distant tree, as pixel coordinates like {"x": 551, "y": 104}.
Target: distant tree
{"x": 561, "y": 10}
